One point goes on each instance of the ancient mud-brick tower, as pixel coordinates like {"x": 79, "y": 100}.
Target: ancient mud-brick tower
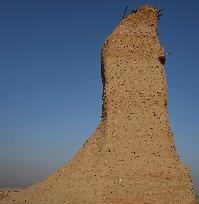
{"x": 131, "y": 157}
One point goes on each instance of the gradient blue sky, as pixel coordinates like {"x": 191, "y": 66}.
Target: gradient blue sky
{"x": 50, "y": 85}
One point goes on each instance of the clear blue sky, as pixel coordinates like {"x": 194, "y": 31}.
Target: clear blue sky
{"x": 50, "y": 85}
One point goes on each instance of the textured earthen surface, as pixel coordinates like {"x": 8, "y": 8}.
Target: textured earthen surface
{"x": 131, "y": 157}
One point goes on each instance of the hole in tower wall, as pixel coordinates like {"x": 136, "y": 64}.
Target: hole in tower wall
{"x": 162, "y": 59}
